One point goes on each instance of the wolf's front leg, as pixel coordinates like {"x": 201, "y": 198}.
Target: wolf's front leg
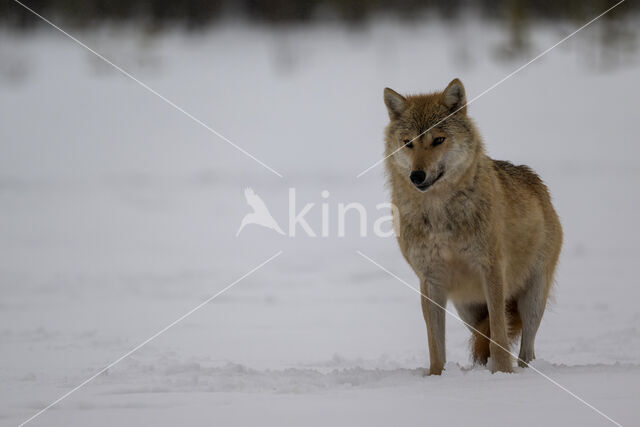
{"x": 434, "y": 316}
{"x": 494, "y": 290}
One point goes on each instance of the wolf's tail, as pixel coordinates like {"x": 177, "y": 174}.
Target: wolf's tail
{"x": 479, "y": 340}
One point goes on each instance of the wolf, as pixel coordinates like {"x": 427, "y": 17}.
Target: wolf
{"x": 478, "y": 232}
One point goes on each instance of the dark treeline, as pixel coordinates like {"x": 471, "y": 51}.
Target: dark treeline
{"x": 199, "y": 13}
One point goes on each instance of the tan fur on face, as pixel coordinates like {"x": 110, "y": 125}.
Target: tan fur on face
{"x": 484, "y": 236}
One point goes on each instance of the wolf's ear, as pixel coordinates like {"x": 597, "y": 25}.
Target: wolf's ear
{"x": 454, "y": 97}
{"x": 395, "y": 103}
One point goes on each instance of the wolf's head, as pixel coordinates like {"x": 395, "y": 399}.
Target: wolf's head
{"x": 430, "y": 135}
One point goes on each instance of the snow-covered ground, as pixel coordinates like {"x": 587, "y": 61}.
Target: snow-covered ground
{"x": 119, "y": 214}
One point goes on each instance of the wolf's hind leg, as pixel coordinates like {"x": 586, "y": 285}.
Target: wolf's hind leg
{"x": 476, "y": 317}
{"x": 472, "y": 314}
{"x": 531, "y": 305}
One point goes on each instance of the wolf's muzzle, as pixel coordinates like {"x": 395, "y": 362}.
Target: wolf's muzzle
{"x": 419, "y": 179}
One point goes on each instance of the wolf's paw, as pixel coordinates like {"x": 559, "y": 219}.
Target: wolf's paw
{"x": 525, "y": 357}
{"x": 504, "y": 368}
{"x": 500, "y": 359}
{"x": 435, "y": 370}
{"x": 500, "y": 364}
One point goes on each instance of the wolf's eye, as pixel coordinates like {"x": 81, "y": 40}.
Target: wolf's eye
{"x": 408, "y": 143}
{"x": 437, "y": 141}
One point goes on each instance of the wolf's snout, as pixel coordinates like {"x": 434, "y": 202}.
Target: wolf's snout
{"x": 417, "y": 177}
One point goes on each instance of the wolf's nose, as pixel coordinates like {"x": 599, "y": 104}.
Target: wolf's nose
{"x": 417, "y": 177}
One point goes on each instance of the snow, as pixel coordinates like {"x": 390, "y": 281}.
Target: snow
{"x": 119, "y": 215}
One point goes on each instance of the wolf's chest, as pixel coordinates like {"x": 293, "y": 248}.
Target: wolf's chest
{"x": 424, "y": 244}
{"x": 429, "y": 249}
{"x": 432, "y": 246}
{"x": 440, "y": 260}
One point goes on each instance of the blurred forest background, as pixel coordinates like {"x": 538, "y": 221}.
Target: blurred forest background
{"x": 515, "y": 17}
{"x": 197, "y": 13}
